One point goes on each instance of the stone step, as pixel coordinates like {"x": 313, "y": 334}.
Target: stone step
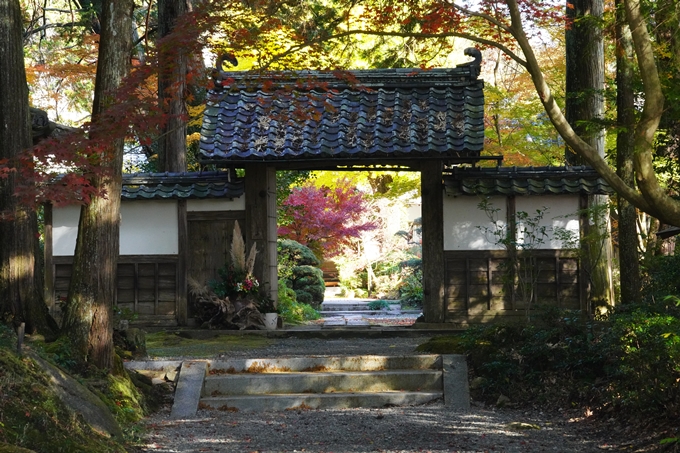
{"x": 323, "y": 363}
{"x": 323, "y": 382}
{"x": 355, "y": 305}
{"x": 260, "y": 403}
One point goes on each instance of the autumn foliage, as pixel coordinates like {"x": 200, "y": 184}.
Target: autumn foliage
{"x": 325, "y": 219}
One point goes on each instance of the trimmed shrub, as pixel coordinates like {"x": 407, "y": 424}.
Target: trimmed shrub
{"x": 298, "y": 269}
{"x": 291, "y": 310}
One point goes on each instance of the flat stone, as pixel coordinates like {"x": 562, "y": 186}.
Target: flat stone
{"x": 456, "y": 386}
{"x": 189, "y": 389}
{"x": 357, "y": 323}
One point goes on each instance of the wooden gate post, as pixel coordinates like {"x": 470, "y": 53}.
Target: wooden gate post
{"x": 260, "y": 228}
{"x": 434, "y": 301}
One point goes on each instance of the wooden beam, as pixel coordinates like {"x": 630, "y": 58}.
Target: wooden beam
{"x": 432, "y": 189}
{"x": 260, "y": 227}
{"x": 583, "y": 279}
{"x": 49, "y": 262}
{"x": 182, "y": 263}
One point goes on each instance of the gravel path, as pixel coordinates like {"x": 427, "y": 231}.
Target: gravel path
{"x": 428, "y": 428}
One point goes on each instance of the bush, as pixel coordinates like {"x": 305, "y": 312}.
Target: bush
{"x": 630, "y": 362}
{"x": 290, "y": 309}
{"x": 308, "y": 284}
{"x": 298, "y": 269}
{"x": 662, "y": 277}
{"x": 411, "y": 289}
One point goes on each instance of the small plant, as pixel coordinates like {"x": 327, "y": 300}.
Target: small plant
{"x": 523, "y": 235}
{"x": 292, "y": 311}
{"x": 378, "y": 305}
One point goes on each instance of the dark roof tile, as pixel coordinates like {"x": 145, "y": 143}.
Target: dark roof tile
{"x": 403, "y": 113}
{"x": 524, "y": 181}
{"x": 146, "y": 186}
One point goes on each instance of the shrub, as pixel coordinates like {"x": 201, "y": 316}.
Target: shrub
{"x": 662, "y": 277}
{"x": 631, "y": 361}
{"x": 378, "y": 305}
{"x": 411, "y": 289}
{"x": 290, "y": 309}
{"x": 298, "y": 269}
{"x": 307, "y": 282}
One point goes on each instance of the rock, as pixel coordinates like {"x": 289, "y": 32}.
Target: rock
{"x": 502, "y": 401}
{"x": 477, "y": 382}
{"x": 81, "y": 400}
{"x": 171, "y": 374}
{"x": 521, "y": 426}
{"x": 7, "y": 448}
{"x": 136, "y": 342}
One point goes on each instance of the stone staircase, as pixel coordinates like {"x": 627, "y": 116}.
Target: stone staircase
{"x": 322, "y": 382}
{"x": 315, "y": 382}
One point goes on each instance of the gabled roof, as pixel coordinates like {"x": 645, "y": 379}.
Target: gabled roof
{"x": 146, "y": 186}
{"x": 525, "y": 181}
{"x": 371, "y": 115}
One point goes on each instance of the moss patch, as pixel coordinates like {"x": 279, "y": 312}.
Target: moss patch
{"x": 449, "y": 344}
{"x": 199, "y": 344}
{"x": 4, "y": 448}
{"x": 31, "y": 414}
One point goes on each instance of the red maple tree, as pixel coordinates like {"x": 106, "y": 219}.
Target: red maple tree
{"x": 326, "y": 219}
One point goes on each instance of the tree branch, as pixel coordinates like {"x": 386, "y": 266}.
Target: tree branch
{"x": 562, "y": 125}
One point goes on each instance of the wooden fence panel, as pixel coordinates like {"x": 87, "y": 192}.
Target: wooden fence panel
{"x": 479, "y": 284}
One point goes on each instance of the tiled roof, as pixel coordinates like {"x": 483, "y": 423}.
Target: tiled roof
{"x": 525, "y": 181}
{"x": 181, "y": 185}
{"x": 398, "y": 113}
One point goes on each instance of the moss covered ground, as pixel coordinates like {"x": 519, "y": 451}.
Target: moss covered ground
{"x": 199, "y": 344}
{"x": 31, "y": 414}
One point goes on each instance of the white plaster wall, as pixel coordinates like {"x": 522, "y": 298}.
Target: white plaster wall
{"x": 466, "y": 225}
{"x": 147, "y": 228}
{"x": 559, "y": 211}
{"x": 215, "y": 204}
{"x": 65, "y": 230}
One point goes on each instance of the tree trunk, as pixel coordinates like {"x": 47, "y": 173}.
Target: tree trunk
{"x": 629, "y": 259}
{"x": 585, "y": 74}
{"x": 88, "y": 311}
{"x": 172, "y": 87}
{"x": 584, "y": 106}
{"x": 21, "y": 298}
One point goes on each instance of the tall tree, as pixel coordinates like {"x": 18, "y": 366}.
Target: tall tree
{"x": 584, "y": 108}
{"x": 88, "y": 309}
{"x": 172, "y": 86}
{"x": 629, "y": 259}
{"x": 21, "y": 298}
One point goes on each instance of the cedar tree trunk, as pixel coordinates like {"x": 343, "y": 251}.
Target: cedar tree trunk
{"x": 88, "y": 311}
{"x": 584, "y": 106}
{"x": 21, "y": 296}
{"x": 172, "y": 85}
{"x": 629, "y": 259}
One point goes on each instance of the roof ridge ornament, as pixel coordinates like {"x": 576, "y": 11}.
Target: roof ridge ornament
{"x": 474, "y": 65}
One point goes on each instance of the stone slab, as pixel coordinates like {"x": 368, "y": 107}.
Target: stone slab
{"x": 189, "y": 389}
{"x": 337, "y": 363}
{"x": 455, "y": 379}
{"x": 261, "y": 403}
{"x": 320, "y": 382}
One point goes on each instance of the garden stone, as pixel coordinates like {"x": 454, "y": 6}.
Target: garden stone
{"x": 502, "y": 401}
{"x": 136, "y": 342}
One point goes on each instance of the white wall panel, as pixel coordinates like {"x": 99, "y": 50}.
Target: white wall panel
{"x": 215, "y": 204}
{"x": 559, "y": 211}
{"x": 148, "y": 227}
{"x": 466, "y": 225}
{"x": 65, "y": 230}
